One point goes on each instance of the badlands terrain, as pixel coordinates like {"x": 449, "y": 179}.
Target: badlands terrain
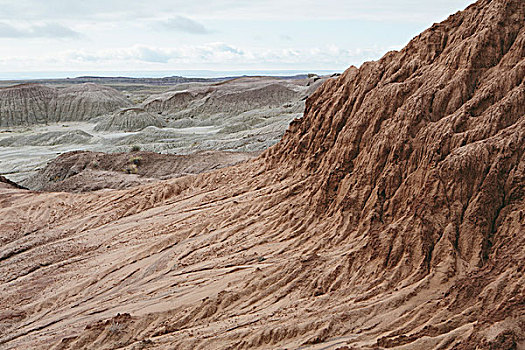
{"x": 43, "y": 119}
{"x": 390, "y": 216}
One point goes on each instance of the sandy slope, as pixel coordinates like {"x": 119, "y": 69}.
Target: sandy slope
{"x": 391, "y": 216}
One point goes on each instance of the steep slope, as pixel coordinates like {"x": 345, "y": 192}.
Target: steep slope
{"x": 25, "y": 104}
{"x": 86, "y": 101}
{"x": 29, "y": 104}
{"x": 392, "y": 215}
{"x": 8, "y": 183}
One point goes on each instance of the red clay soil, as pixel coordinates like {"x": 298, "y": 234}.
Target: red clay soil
{"x": 84, "y": 171}
{"x": 5, "y": 182}
{"x": 392, "y": 215}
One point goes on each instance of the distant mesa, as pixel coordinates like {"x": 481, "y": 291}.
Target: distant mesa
{"x": 130, "y": 119}
{"x": 30, "y": 104}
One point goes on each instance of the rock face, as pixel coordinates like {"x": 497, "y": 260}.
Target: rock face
{"x": 30, "y": 104}
{"x": 130, "y": 119}
{"x": 86, "y": 101}
{"x": 432, "y": 135}
{"x": 392, "y": 215}
{"x": 25, "y": 104}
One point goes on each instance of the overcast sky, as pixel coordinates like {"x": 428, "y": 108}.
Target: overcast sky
{"x": 129, "y": 35}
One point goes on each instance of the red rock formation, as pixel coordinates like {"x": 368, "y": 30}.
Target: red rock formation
{"x": 431, "y": 135}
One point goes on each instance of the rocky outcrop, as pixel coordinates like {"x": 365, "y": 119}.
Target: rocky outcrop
{"x": 130, "y": 119}
{"x": 433, "y": 131}
{"x": 86, "y": 101}
{"x": 29, "y": 104}
{"x": 25, "y": 104}
{"x": 392, "y": 215}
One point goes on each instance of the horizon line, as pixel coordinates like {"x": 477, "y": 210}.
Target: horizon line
{"x": 186, "y": 73}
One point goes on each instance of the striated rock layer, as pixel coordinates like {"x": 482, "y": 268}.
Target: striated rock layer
{"x": 6, "y": 182}
{"x": 25, "y": 104}
{"x": 130, "y": 119}
{"x": 86, "y": 101}
{"x": 29, "y": 104}
{"x": 392, "y": 215}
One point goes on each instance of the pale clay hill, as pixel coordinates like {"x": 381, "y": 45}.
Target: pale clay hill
{"x": 231, "y": 97}
{"x": 255, "y": 113}
{"x": 391, "y": 216}
{"x": 25, "y": 104}
{"x": 130, "y": 119}
{"x": 29, "y": 104}
{"x": 86, "y": 101}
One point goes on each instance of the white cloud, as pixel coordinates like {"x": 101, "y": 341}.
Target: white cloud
{"x": 39, "y": 30}
{"x": 176, "y": 34}
{"x": 183, "y": 24}
{"x": 113, "y": 10}
{"x": 218, "y": 55}
{"x": 212, "y": 52}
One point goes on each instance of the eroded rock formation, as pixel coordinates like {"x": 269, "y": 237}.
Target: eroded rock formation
{"x": 130, "y": 119}
{"x": 86, "y": 101}
{"x": 29, "y": 104}
{"x": 232, "y": 97}
{"x": 25, "y": 104}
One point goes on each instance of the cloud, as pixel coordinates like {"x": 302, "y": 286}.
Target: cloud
{"x": 184, "y": 24}
{"x": 211, "y": 52}
{"x": 218, "y": 56}
{"x": 45, "y": 30}
{"x": 118, "y": 10}
{"x": 147, "y": 54}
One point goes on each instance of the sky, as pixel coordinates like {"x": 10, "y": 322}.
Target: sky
{"x": 220, "y": 35}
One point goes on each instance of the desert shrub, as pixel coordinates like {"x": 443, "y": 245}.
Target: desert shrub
{"x": 130, "y": 169}
{"x": 135, "y": 160}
